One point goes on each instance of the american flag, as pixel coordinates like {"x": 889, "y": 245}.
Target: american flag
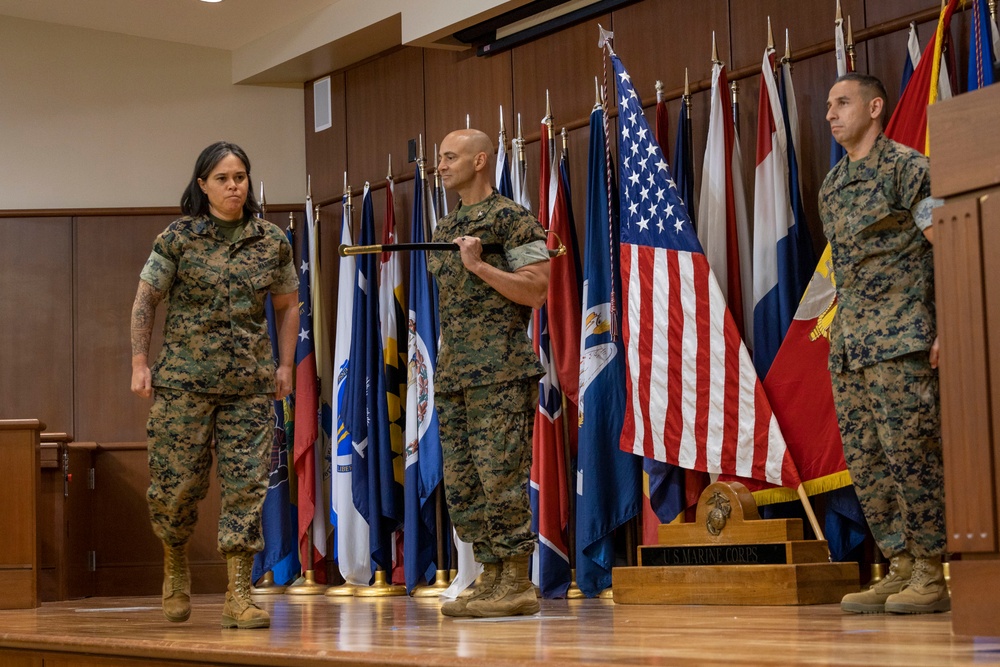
{"x": 693, "y": 397}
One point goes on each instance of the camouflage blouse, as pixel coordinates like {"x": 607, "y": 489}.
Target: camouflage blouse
{"x": 484, "y": 336}
{"x": 215, "y": 336}
{"x": 882, "y": 262}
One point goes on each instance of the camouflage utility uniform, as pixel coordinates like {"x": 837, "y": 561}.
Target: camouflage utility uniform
{"x": 486, "y": 383}
{"x": 886, "y": 393}
{"x": 213, "y": 378}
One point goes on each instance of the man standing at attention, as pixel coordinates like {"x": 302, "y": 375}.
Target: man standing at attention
{"x": 486, "y": 383}
{"x": 876, "y": 210}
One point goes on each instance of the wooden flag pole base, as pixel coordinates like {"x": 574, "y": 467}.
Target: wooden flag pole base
{"x": 730, "y": 556}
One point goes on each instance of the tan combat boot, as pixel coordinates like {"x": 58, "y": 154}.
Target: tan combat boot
{"x": 926, "y": 593}
{"x": 240, "y": 610}
{"x": 514, "y": 594}
{"x": 176, "y": 583}
{"x": 483, "y": 587}
{"x": 872, "y": 601}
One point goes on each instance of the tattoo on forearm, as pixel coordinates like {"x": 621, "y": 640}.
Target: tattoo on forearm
{"x": 143, "y": 312}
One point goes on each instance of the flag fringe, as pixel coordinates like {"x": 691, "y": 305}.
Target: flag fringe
{"x": 813, "y": 487}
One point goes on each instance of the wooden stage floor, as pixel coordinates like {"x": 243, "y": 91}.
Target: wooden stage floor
{"x": 402, "y": 631}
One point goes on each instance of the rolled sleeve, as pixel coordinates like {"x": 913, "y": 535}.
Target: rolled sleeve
{"x": 159, "y": 271}
{"x": 923, "y": 212}
{"x": 530, "y": 253}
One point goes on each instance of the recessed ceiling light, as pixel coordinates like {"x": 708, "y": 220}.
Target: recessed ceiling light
{"x": 211, "y": 0}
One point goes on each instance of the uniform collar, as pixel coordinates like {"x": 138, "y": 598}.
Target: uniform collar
{"x": 478, "y": 210}
{"x": 865, "y": 169}
{"x": 205, "y": 226}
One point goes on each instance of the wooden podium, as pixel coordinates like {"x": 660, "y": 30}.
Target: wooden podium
{"x": 965, "y": 171}
{"x": 20, "y": 451}
{"x": 729, "y": 555}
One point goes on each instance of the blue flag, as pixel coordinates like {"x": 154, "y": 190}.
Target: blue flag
{"x": 278, "y": 525}
{"x": 424, "y": 466}
{"x": 376, "y": 495}
{"x": 504, "y": 185}
{"x": 684, "y": 162}
{"x": 980, "y": 46}
{"x": 607, "y": 486}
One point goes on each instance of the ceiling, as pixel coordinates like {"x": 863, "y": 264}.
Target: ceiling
{"x": 225, "y": 25}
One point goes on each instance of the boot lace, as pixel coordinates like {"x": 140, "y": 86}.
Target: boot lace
{"x": 924, "y": 574}
{"x": 891, "y": 580}
{"x": 177, "y": 567}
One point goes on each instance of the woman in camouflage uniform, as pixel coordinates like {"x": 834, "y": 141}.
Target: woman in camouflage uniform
{"x": 214, "y": 379}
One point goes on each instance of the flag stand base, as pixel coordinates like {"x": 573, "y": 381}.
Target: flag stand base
{"x": 266, "y": 586}
{"x": 434, "y": 590}
{"x": 730, "y": 556}
{"x": 345, "y": 590}
{"x": 305, "y": 585}
{"x": 380, "y": 588}
{"x": 574, "y": 592}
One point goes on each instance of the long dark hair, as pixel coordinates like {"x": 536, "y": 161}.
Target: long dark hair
{"x": 194, "y": 202}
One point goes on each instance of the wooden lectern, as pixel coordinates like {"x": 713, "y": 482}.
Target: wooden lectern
{"x": 20, "y": 448}
{"x": 965, "y": 171}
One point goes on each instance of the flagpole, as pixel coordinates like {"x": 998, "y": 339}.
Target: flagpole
{"x": 807, "y": 506}
{"x": 851, "y": 56}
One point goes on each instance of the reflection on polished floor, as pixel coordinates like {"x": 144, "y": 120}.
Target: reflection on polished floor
{"x": 312, "y": 630}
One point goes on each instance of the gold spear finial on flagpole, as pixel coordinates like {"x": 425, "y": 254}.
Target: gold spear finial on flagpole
{"x": 548, "y": 110}
{"x": 291, "y": 220}
{"x": 770, "y": 35}
{"x": 992, "y": 4}
{"x": 715, "y": 51}
{"x": 787, "y": 58}
{"x": 263, "y": 201}
{"x": 309, "y": 186}
{"x": 565, "y": 141}
{"x": 420, "y": 148}
{"x": 468, "y": 122}
{"x": 659, "y": 91}
{"x": 597, "y": 95}
{"x": 850, "y": 45}
{"x": 388, "y": 175}
{"x": 503, "y": 128}
{"x": 687, "y": 94}
{"x": 840, "y": 15}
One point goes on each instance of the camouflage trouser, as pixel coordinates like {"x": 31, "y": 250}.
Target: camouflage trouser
{"x": 890, "y": 424}
{"x": 181, "y": 429}
{"x": 486, "y": 438}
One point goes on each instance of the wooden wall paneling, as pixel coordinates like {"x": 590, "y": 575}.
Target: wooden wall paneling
{"x": 572, "y": 60}
{"x": 965, "y": 415}
{"x": 457, "y": 83}
{"x": 129, "y": 556}
{"x": 385, "y": 109}
{"x": 110, "y": 253}
{"x": 657, "y": 40}
{"x": 326, "y": 151}
{"x": 36, "y": 321}
{"x": 886, "y": 54}
{"x": 813, "y": 79}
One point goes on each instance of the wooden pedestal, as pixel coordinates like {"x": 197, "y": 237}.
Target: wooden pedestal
{"x": 20, "y": 452}
{"x": 965, "y": 171}
{"x": 729, "y": 555}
